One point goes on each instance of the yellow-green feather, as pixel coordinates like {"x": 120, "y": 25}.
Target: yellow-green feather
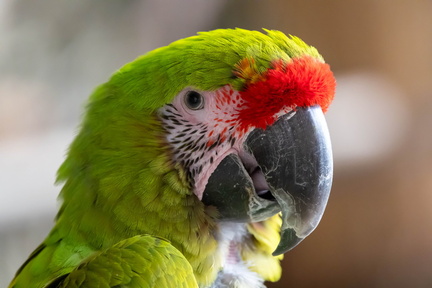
{"x": 137, "y": 262}
{"x": 264, "y": 238}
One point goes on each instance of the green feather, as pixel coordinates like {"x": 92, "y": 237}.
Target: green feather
{"x": 137, "y": 262}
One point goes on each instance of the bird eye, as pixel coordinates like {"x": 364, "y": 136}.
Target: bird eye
{"x": 194, "y": 100}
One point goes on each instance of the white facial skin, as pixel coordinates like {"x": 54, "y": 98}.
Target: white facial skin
{"x": 202, "y": 136}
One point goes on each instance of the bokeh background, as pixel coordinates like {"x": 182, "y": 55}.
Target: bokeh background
{"x": 377, "y": 230}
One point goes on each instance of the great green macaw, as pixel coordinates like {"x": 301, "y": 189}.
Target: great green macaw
{"x": 196, "y": 165}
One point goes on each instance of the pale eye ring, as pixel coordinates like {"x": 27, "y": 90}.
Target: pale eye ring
{"x": 194, "y": 100}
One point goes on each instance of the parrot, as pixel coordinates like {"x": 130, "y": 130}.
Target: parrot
{"x": 198, "y": 164}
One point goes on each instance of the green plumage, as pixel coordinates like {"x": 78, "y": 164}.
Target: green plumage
{"x": 140, "y": 261}
{"x": 120, "y": 180}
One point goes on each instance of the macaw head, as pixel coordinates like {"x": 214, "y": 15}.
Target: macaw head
{"x": 248, "y": 128}
{"x": 241, "y": 116}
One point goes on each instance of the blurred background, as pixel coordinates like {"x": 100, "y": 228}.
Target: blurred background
{"x": 377, "y": 229}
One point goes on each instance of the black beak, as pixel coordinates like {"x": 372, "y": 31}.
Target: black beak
{"x": 287, "y": 167}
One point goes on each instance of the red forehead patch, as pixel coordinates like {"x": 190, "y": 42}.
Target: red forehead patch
{"x": 301, "y": 82}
